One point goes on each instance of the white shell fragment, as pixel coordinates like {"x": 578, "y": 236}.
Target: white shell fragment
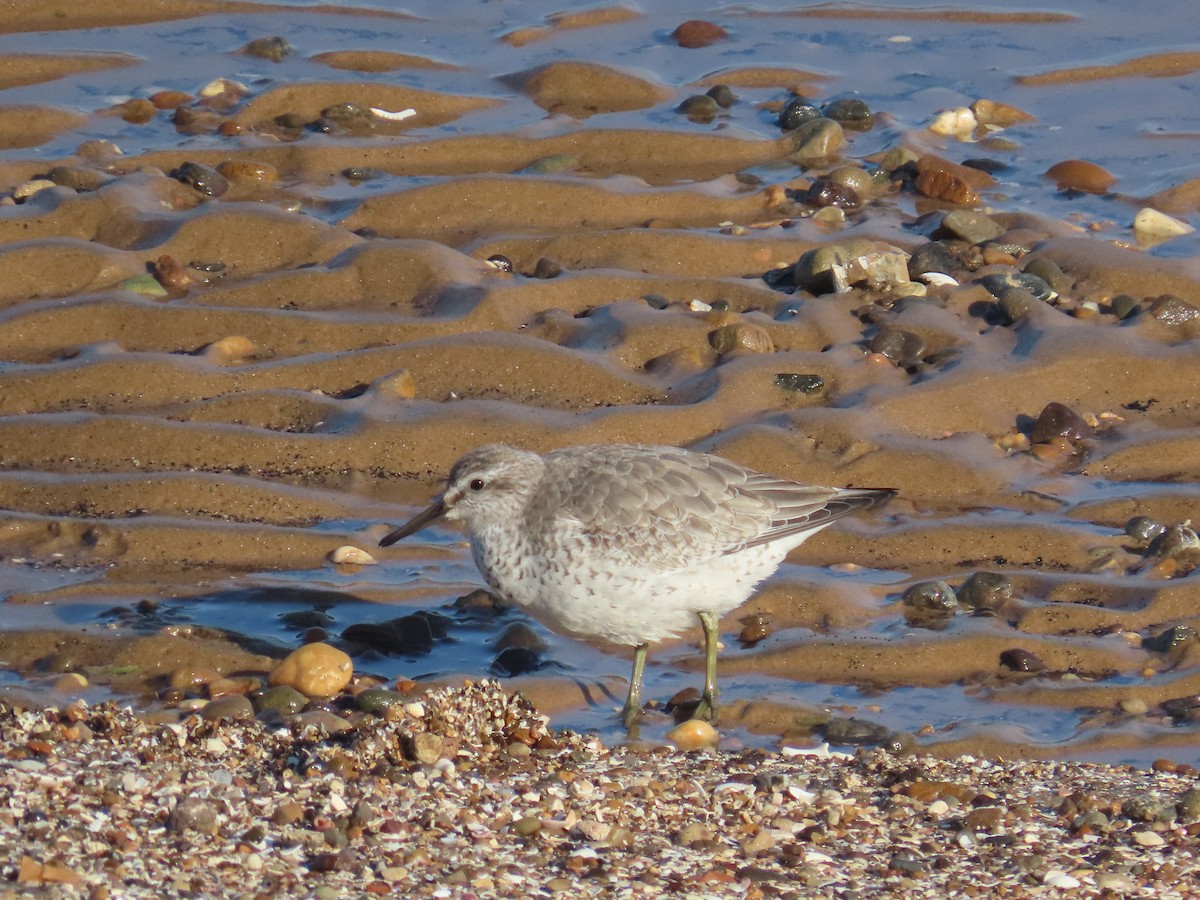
{"x": 938, "y": 278}
{"x": 353, "y": 555}
{"x": 399, "y": 116}
{"x": 820, "y": 752}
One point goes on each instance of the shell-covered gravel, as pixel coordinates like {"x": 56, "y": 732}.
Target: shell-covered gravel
{"x": 467, "y": 793}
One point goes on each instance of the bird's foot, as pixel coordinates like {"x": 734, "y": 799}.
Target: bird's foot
{"x": 706, "y": 709}
{"x": 631, "y": 716}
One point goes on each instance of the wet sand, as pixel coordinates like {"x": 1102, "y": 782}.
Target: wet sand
{"x": 242, "y": 330}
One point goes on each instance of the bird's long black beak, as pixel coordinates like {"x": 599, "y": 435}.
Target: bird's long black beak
{"x": 416, "y": 523}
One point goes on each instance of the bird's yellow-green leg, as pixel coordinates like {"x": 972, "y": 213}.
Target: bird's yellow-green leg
{"x": 633, "y": 703}
{"x": 707, "y": 708}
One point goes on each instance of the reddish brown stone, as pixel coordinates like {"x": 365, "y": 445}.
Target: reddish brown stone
{"x": 1081, "y": 175}
{"x": 698, "y": 33}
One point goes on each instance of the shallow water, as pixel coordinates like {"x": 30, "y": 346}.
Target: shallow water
{"x": 165, "y": 502}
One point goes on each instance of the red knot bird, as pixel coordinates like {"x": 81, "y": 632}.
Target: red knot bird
{"x": 630, "y": 544}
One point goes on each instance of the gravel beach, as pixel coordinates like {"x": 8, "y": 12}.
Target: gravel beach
{"x": 468, "y": 794}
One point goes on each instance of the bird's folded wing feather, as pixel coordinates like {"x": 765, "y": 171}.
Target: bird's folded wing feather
{"x": 664, "y": 514}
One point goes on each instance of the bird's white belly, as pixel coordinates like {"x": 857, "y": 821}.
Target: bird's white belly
{"x": 621, "y": 605}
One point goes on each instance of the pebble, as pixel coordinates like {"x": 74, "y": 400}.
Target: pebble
{"x": 398, "y": 385}
{"x": 800, "y": 383}
{"x": 855, "y": 731}
{"x": 70, "y": 682}
{"x": 1151, "y": 223}
{"x": 849, "y": 112}
{"x": 229, "y": 350}
{"x": 1123, "y": 306}
{"x": 825, "y": 192}
{"x": 170, "y": 99}
{"x": 700, "y": 108}
{"x": 1172, "y": 310}
{"x": 322, "y": 720}
{"x": 204, "y": 179}
{"x": 723, "y": 95}
{"x": 941, "y": 179}
{"x": 527, "y": 826}
{"x": 1172, "y": 638}
{"x": 235, "y": 707}
{"x": 378, "y": 701}
{"x": 135, "y": 111}
{"x": 27, "y": 189}
{"x": 193, "y": 814}
{"x": 796, "y": 112}
{"x": 815, "y": 140}
{"x": 1057, "y": 420}
{"x": 933, "y": 256}
{"x": 274, "y": 48}
{"x": 1144, "y": 529}
{"x": 248, "y": 170}
{"x": 1015, "y": 304}
{"x": 904, "y": 347}
{"x": 857, "y": 179}
{"x": 549, "y": 165}
{"x": 283, "y": 699}
{"x": 1148, "y": 839}
{"x": 934, "y": 595}
{"x": 546, "y": 268}
{"x": 997, "y": 283}
{"x": 1019, "y": 660}
{"x": 1189, "y": 805}
{"x": 971, "y": 226}
{"x": 426, "y": 748}
{"x": 957, "y": 122}
{"x": 174, "y": 278}
{"x": 219, "y": 87}
{"x": 985, "y": 591}
{"x": 1115, "y": 882}
{"x": 75, "y": 178}
{"x": 755, "y": 627}
{"x": 315, "y": 670}
{"x": 696, "y": 33}
{"x": 693, "y": 833}
{"x": 814, "y": 270}
{"x": 741, "y": 336}
{"x": 694, "y": 734}
{"x": 520, "y": 636}
{"x": 1001, "y": 115}
{"x": 1081, "y": 175}
{"x": 514, "y": 661}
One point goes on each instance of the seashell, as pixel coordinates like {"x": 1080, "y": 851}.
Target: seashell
{"x": 398, "y": 116}
{"x": 352, "y": 555}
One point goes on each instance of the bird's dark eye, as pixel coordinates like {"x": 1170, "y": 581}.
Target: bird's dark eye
{"x": 476, "y": 484}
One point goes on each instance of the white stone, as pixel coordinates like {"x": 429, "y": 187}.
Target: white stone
{"x": 957, "y": 122}
{"x": 1151, "y": 222}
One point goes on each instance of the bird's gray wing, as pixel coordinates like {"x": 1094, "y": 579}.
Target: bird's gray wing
{"x": 664, "y": 509}
{"x": 801, "y": 509}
